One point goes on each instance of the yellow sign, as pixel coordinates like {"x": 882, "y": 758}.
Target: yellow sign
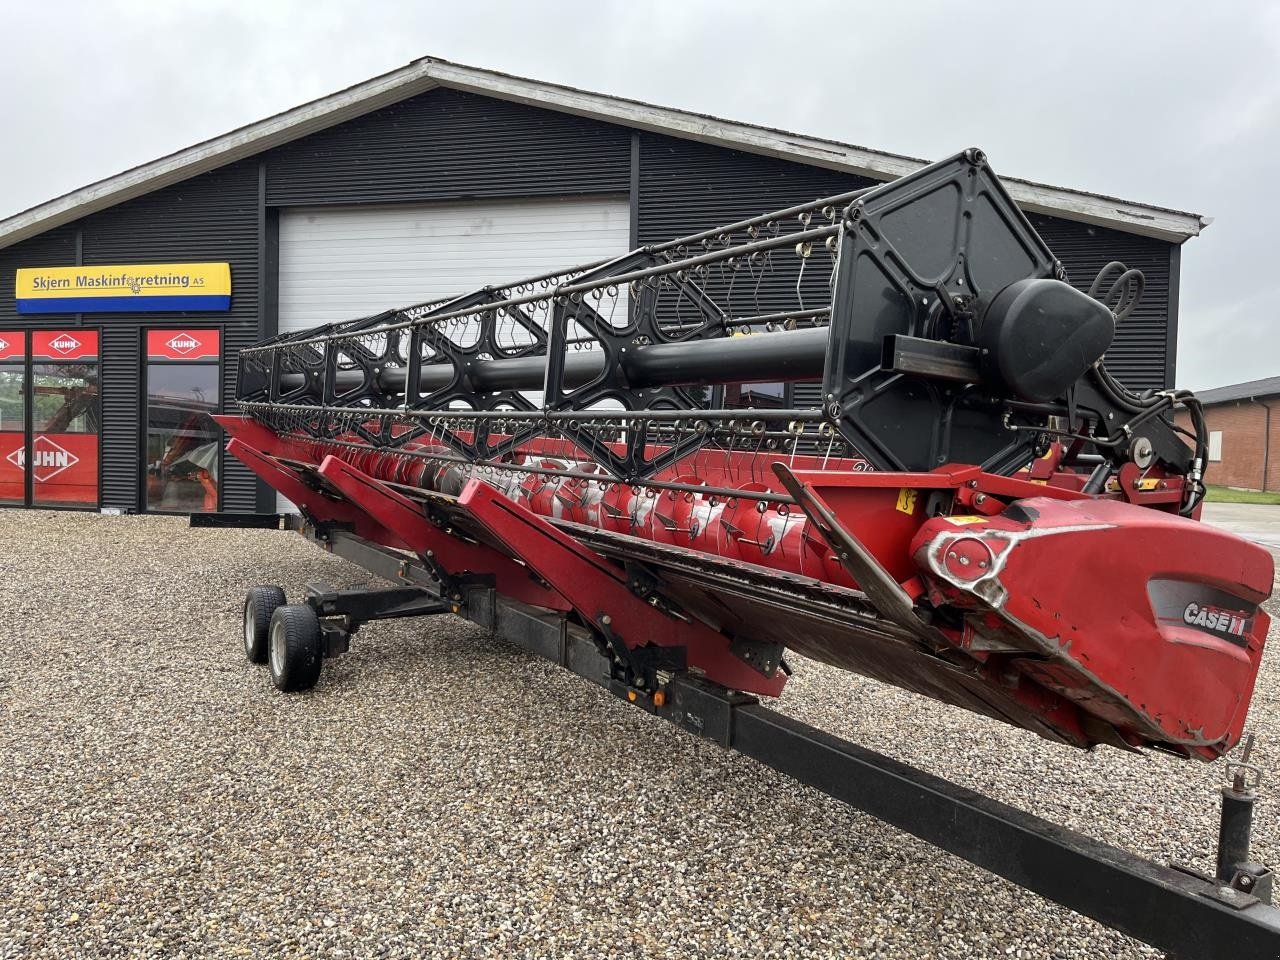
{"x": 907, "y": 500}
{"x": 129, "y": 288}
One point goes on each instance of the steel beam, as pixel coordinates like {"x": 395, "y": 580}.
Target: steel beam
{"x": 1189, "y": 916}
{"x": 787, "y": 356}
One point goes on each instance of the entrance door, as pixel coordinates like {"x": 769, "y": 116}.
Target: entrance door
{"x": 49, "y": 418}
{"x": 184, "y": 445}
{"x": 13, "y": 417}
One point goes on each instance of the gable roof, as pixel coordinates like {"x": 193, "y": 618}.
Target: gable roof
{"x": 1266, "y": 387}
{"x": 429, "y": 73}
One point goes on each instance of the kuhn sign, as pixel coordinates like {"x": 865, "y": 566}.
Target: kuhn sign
{"x": 48, "y": 459}
{"x": 64, "y": 469}
{"x": 65, "y": 344}
{"x": 185, "y": 344}
{"x": 58, "y": 345}
{"x": 182, "y": 343}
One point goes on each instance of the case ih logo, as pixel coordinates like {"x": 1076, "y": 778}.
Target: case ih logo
{"x": 1214, "y": 618}
{"x": 64, "y": 343}
{"x": 182, "y": 343}
{"x": 48, "y": 459}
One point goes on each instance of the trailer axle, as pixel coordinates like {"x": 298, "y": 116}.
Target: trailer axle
{"x": 1190, "y": 915}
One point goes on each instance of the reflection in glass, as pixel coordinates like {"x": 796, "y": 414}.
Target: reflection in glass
{"x": 64, "y": 434}
{"x": 64, "y": 398}
{"x": 13, "y": 402}
{"x": 757, "y": 396}
{"x": 183, "y": 443}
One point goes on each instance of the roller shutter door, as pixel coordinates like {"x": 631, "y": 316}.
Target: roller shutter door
{"x": 339, "y": 263}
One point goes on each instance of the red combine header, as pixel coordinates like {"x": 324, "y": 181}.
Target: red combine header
{"x": 974, "y": 509}
{"x": 660, "y": 478}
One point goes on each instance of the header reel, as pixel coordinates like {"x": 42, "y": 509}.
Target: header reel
{"x": 955, "y": 339}
{"x": 956, "y": 436}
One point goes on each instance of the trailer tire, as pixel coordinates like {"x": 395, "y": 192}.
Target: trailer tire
{"x": 294, "y": 654}
{"x": 259, "y": 604}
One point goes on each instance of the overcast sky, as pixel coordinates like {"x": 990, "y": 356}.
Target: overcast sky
{"x": 1171, "y": 103}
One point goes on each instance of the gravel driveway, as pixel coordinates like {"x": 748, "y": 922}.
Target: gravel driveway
{"x": 443, "y": 794}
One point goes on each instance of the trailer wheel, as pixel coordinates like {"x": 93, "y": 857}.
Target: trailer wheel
{"x": 259, "y": 604}
{"x": 294, "y": 648}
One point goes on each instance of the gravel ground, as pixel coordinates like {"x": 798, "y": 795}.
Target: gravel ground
{"x": 443, "y": 794}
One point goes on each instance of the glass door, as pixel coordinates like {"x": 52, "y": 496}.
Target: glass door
{"x": 57, "y": 462}
{"x": 13, "y": 417}
{"x": 184, "y": 445}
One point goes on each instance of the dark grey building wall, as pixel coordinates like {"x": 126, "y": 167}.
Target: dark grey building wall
{"x": 210, "y": 218}
{"x": 1144, "y": 350}
{"x": 446, "y": 145}
{"x": 53, "y": 249}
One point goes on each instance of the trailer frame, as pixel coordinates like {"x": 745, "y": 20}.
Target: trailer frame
{"x": 1190, "y": 915}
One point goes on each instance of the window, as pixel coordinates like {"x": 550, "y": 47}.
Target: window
{"x": 49, "y": 418}
{"x": 183, "y": 444}
{"x": 13, "y": 416}
{"x": 1215, "y": 446}
{"x": 759, "y": 396}
{"x": 63, "y": 394}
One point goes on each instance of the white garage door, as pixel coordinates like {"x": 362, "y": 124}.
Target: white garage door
{"x": 340, "y": 263}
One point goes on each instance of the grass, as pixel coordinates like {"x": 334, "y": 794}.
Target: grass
{"x": 1227, "y": 495}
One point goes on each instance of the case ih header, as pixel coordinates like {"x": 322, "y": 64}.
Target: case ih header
{"x": 601, "y": 465}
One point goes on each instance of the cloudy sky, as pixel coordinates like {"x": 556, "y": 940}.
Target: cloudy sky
{"x": 1171, "y": 103}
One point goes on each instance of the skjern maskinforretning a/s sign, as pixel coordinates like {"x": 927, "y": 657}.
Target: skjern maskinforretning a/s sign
{"x": 130, "y": 288}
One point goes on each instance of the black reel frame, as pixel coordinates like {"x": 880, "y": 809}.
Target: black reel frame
{"x": 922, "y": 261}
{"x": 917, "y": 265}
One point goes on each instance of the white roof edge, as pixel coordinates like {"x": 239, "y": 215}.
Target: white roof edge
{"x": 425, "y": 74}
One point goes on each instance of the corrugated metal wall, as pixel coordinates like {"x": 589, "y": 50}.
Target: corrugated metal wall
{"x": 1140, "y": 357}
{"x": 210, "y": 218}
{"x": 56, "y": 248}
{"x": 447, "y": 145}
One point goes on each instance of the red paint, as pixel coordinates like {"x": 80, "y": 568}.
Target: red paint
{"x": 59, "y": 345}
{"x": 13, "y": 345}
{"x": 456, "y": 557}
{"x": 12, "y": 482}
{"x": 598, "y": 591}
{"x": 1076, "y": 582}
{"x": 1045, "y": 589}
{"x": 183, "y": 343}
{"x": 64, "y": 468}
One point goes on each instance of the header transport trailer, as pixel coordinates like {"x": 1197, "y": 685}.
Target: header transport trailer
{"x": 928, "y": 478}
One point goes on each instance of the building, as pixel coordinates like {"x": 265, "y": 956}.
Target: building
{"x": 1243, "y": 420}
{"x": 123, "y": 305}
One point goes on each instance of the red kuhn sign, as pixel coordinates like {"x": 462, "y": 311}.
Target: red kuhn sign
{"x": 64, "y": 467}
{"x": 182, "y": 344}
{"x": 78, "y": 345}
{"x": 13, "y": 345}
